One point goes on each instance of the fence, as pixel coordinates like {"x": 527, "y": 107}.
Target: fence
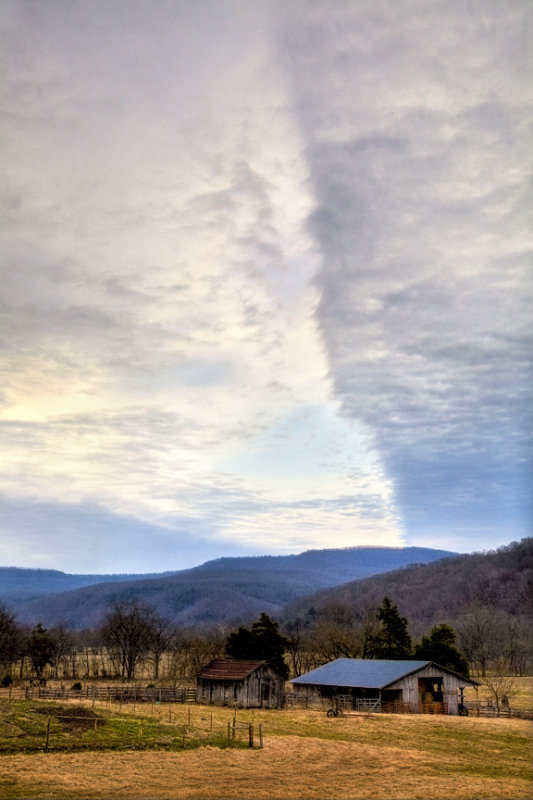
{"x": 62, "y": 728}
{"x": 479, "y": 709}
{"x": 123, "y": 694}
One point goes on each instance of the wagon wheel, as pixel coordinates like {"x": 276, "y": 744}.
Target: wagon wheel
{"x": 331, "y": 712}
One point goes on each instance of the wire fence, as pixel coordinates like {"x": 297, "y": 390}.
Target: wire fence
{"x": 48, "y": 727}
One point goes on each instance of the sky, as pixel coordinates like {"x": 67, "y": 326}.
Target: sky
{"x": 266, "y": 278}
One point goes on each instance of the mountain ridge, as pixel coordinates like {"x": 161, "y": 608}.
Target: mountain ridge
{"x": 439, "y": 591}
{"x": 227, "y": 589}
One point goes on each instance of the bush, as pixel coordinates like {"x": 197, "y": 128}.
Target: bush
{"x": 6, "y": 681}
{"x": 76, "y": 687}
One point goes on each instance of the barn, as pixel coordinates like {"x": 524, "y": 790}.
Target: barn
{"x": 247, "y": 684}
{"x": 404, "y": 686}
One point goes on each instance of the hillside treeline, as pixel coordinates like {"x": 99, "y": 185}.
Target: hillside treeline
{"x": 485, "y": 597}
{"x": 227, "y": 590}
{"x": 478, "y": 605}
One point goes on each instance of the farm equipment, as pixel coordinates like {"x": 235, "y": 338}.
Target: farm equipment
{"x": 345, "y": 705}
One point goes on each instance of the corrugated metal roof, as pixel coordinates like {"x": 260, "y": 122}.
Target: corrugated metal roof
{"x": 361, "y": 672}
{"x": 225, "y": 670}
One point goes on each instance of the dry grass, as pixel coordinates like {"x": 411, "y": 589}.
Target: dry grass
{"x": 306, "y": 755}
{"x": 521, "y": 695}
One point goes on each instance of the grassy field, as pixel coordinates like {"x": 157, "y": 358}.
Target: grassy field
{"x": 520, "y": 695}
{"x": 305, "y": 755}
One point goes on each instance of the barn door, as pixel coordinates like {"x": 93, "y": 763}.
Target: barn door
{"x": 265, "y": 694}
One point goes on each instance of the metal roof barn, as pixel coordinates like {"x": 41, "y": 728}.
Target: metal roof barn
{"x": 363, "y": 672}
{"x": 398, "y": 685}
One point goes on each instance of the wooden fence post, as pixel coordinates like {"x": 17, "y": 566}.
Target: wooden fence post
{"x": 250, "y": 735}
{"x": 261, "y": 735}
{"x": 47, "y": 735}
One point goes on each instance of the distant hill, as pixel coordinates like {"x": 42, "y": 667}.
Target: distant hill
{"x": 226, "y": 589}
{"x": 442, "y": 591}
{"x": 19, "y": 583}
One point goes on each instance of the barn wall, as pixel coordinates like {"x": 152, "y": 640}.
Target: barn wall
{"x": 450, "y": 686}
{"x": 306, "y": 694}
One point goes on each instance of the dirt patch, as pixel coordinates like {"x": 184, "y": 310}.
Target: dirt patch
{"x": 73, "y": 718}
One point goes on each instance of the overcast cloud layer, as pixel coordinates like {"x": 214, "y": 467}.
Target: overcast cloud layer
{"x": 266, "y": 278}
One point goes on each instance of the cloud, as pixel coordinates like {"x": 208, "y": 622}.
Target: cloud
{"x": 166, "y": 352}
{"x": 420, "y": 164}
{"x": 265, "y": 273}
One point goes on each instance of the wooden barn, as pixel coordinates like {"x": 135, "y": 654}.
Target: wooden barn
{"x": 247, "y": 684}
{"x": 404, "y": 686}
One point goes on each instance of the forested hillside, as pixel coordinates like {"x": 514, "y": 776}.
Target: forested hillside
{"x": 443, "y": 591}
{"x": 485, "y": 597}
{"x": 18, "y": 583}
{"x": 227, "y": 589}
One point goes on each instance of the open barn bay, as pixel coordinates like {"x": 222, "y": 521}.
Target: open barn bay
{"x": 305, "y": 755}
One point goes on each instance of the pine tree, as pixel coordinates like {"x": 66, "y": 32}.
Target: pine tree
{"x": 262, "y": 642}
{"x": 392, "y": 640}
{"x": 440, "y": 647}
{"x": 41, "y": 647}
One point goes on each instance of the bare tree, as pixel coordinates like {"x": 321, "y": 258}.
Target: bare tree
{"x": 500, "y": 684}
{"x": 161, "y": 638}
{"x": 65, "y": 641}
{"x": 202, "y": 646}
{"x": 293, "y": 631}
{"x": 126, "y": 631}
{"x": 496, "y": 640}
{"x": 478, "y": 637}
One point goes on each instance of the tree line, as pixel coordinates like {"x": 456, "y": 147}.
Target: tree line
{"x": 133, "y": 638}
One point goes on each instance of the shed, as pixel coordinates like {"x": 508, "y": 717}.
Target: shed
{"x": 408, "y": 686}
{"x": 247, "y": 684}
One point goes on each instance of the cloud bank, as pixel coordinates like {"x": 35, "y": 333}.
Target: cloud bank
{"x": 265, "y": 279}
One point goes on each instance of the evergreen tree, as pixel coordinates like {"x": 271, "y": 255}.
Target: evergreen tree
{"x": 10, "y": 637}
{"x": 263, "y": 642}
{"x": 440, "y": 647}
{"x": 392, "y": 640}
{"x": 41, "y": 647}
{"x": 241, "y": 645}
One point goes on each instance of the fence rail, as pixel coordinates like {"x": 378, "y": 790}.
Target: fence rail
{"x": 479, "y": 709}
{"x": 124, "y": 694}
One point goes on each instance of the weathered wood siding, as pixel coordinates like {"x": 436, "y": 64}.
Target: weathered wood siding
{"x": 306, "y": 695}
{"x": 409, "y": 691}
{"x": 412, "y": 691}
{"x": 262, "y": 689}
